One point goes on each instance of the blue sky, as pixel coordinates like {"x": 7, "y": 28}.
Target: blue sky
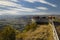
{"x": 29, "y": 7}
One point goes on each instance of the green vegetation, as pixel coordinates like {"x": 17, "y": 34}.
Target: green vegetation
{"x": 57, "y": 19}
{"x": 7, "y": 33}
{"x": 31, "y": 26}
{"x": 41, "y": 32}
{"x": 31, "y": 31}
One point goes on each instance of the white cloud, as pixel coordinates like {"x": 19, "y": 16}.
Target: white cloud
{"x": 42, "y": 8}
{"x": 14, "y": 11}
{"x": 5, "y": 3}
{"x": 42, "y": 1}
{"x": 17, "y": 8}
{"x": 45, "y": 2}
{"x": 27, "y": 9}
{"x": 30, "y": 0}
{"x": 8, "y": 3}
{"x": 36, "y": 13}
{"x": 6, "y": 12}
{"x": 15, "y": 0}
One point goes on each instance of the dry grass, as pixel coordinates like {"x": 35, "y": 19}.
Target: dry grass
{"x": 43, "y": 32}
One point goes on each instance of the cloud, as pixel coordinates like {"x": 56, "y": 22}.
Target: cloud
{"x": 36, "y": 13}
{"x": 8, "y": 3}
{"x": 14, "y": 6}
{"x": 14, "y": 0}
{"x": 30, "y": 0}
{"x": 24, "y": 9}
{"x": 16, "y": 11}
{"x": 45, "y": 2}
{"x": 8, "y": 7}
{"x": 7, "y": 12}
{"x": 42, "y": 8}
{"x": 42, "y": 1}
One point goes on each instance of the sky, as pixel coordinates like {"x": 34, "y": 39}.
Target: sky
{"x": 29, "y": 7}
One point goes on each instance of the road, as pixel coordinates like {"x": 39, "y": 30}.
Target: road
{"x": 55, "y": 35}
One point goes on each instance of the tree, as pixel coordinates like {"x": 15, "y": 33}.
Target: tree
{"x": 8, "y": 33}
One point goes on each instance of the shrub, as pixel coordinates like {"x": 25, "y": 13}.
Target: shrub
{"x": 8, "y": 33}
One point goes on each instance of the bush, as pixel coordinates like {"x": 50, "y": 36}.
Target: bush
{"x": 30, "y": 26}
{"x": 8, "y": 33}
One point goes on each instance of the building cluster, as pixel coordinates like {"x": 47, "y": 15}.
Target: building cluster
{"x": 42, "y": 20}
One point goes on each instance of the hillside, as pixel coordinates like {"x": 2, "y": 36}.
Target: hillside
{"x": 25, "y": 29}
{"x": 42, "y": 32}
